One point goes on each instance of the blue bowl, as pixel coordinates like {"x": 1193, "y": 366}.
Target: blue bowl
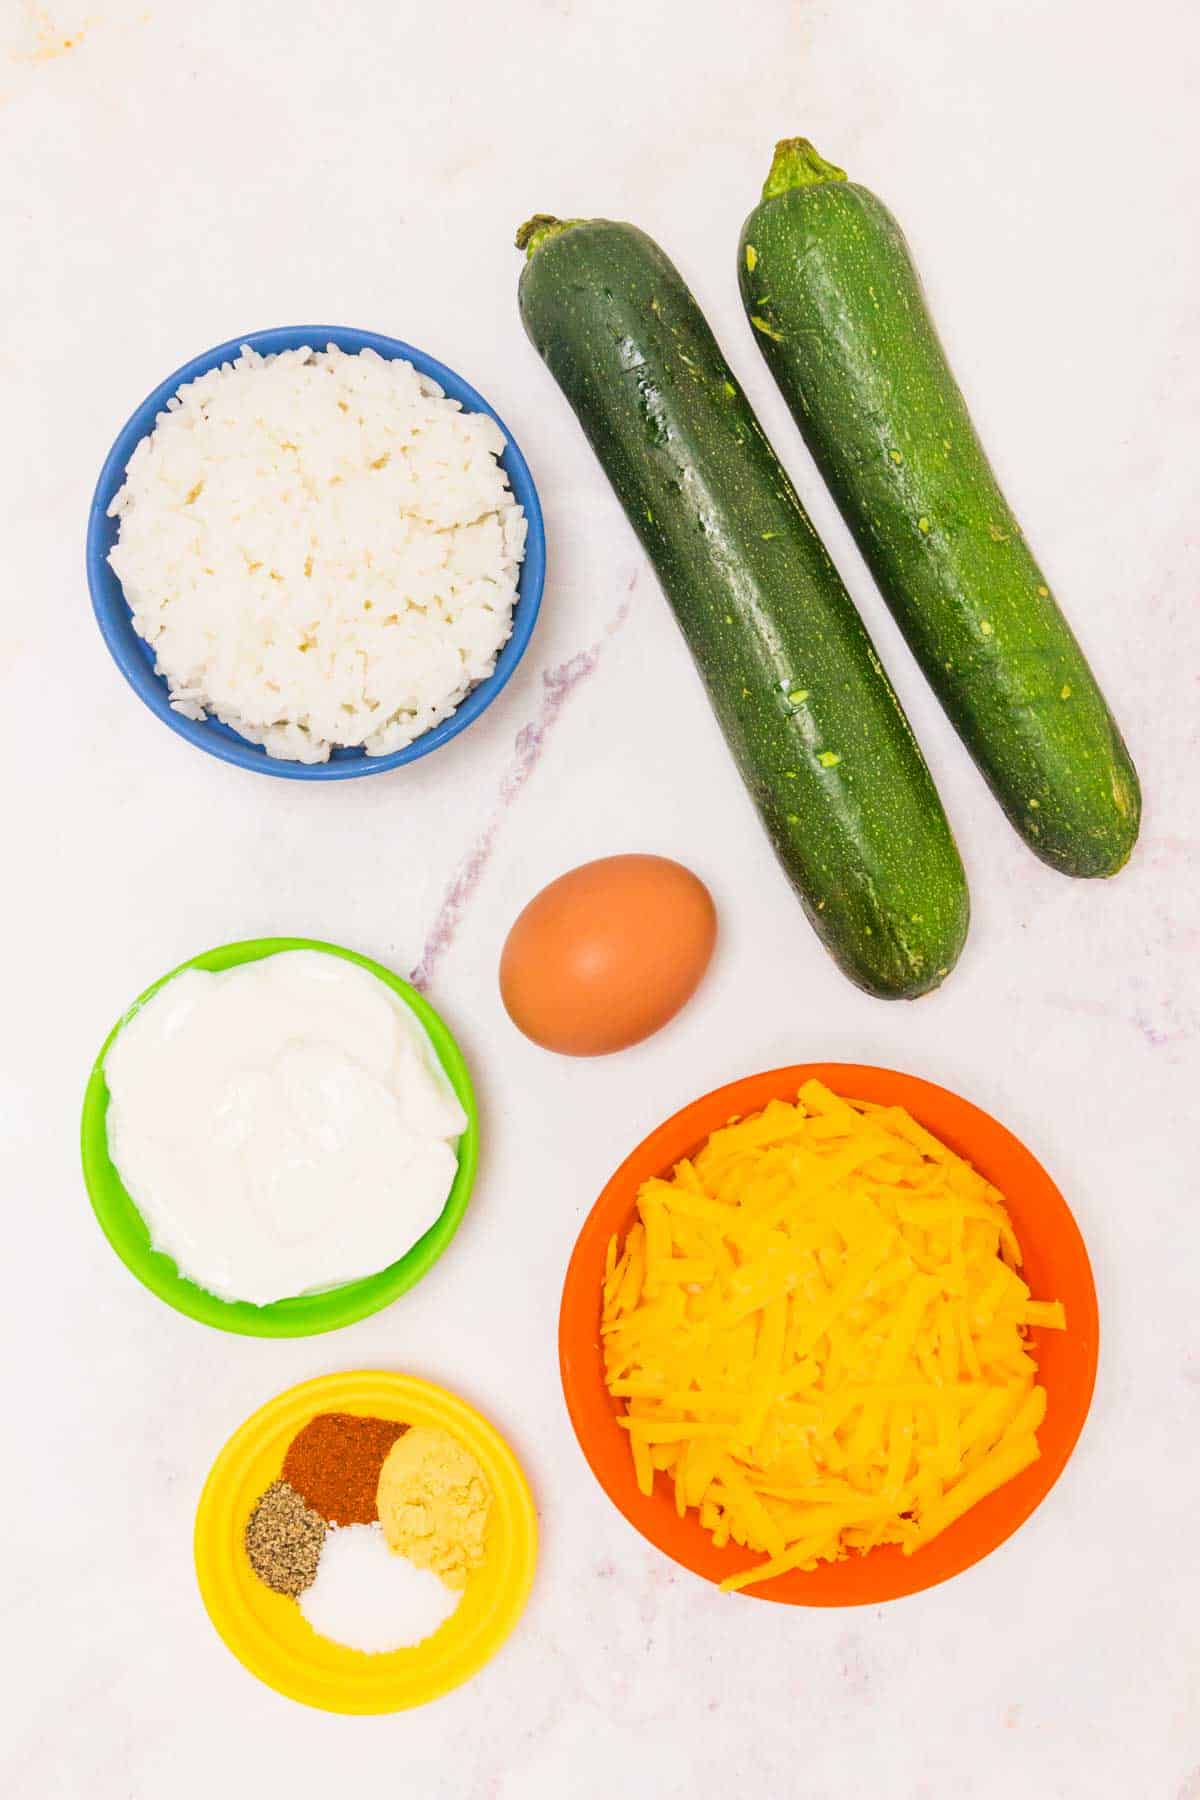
{"x": 134, "y": 657}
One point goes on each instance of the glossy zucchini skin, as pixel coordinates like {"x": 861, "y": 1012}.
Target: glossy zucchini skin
{"x": 838, "y": 312}
{"x": 814, "y": 726}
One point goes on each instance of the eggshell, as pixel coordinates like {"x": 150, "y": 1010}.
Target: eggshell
{"x": 608, "y": 953}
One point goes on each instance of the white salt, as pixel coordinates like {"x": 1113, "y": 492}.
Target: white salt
{"x": 368, "y": 1598}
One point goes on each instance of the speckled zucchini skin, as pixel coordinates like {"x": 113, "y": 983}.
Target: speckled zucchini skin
{"x": 838, "y": 312}
{"x": 812, "y": 721}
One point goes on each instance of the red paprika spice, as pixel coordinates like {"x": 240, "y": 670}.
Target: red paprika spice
{"x": 334, "y": 1462}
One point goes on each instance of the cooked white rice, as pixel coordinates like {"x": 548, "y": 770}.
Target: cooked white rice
{"x": 322, "y": 550}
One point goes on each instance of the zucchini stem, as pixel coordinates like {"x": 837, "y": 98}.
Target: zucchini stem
{"x": 534, "y": 232}
{"x": 798, "y": 165}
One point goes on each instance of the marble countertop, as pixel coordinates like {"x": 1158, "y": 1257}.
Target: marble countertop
{"x": 173, "y": 174}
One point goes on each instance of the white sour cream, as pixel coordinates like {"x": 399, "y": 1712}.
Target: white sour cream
{"x": 283, "y": 1126}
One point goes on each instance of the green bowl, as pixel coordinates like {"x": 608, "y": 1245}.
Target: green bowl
{"x": 305, "y": 1314}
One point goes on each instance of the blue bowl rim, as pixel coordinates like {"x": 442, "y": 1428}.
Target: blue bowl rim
{"x": 116, "y": 621}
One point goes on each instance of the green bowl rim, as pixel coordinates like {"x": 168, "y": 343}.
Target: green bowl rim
{"x": 304, "y": 1315}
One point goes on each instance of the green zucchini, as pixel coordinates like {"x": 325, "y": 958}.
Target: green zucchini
{"x": 838, "y": 312}
{"x": 811, "y": 719}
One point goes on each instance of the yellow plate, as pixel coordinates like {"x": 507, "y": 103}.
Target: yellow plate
{"x": 269, "y": 1634}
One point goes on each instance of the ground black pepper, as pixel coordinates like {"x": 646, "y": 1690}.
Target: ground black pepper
{"x": 284, "y": 1539}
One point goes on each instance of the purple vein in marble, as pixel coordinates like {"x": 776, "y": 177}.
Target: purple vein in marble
{"x": 558, "y": 684}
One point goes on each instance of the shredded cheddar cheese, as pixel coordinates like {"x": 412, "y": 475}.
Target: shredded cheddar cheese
{"x": 819, "y": 1336}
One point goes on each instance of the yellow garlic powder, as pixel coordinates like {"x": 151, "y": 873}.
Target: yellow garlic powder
{"x": 433, "y": 1503}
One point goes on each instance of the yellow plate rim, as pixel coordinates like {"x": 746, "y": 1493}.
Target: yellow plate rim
{"x": 390, "y": 1682}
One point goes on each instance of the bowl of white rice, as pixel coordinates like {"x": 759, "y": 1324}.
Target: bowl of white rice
{"x": 316, "y": 552}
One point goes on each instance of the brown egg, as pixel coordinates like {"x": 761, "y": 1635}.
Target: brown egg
{"x": 607, "y": 954}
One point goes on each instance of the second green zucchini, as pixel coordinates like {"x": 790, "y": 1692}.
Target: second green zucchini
{"x": 838, "y": 312}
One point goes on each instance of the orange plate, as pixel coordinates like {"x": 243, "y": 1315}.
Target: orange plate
{"x": 1056, "y": 1267}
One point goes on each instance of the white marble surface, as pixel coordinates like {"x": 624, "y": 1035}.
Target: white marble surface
{"x": 182, "y": 172}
